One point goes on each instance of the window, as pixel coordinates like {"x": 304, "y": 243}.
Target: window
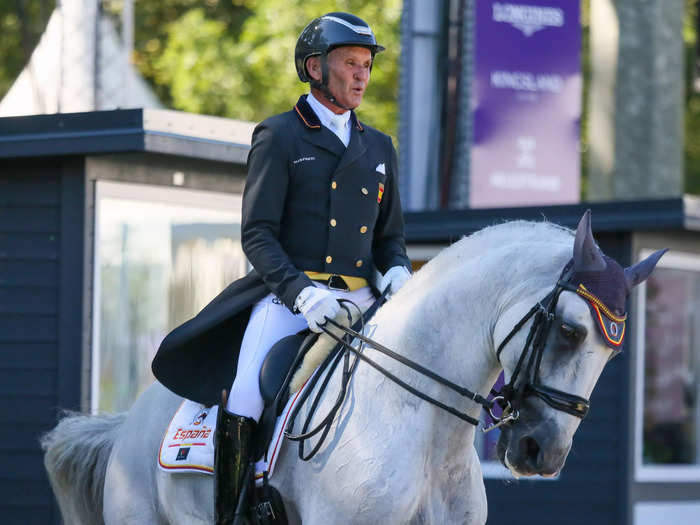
{"x": 160, "y": 255}
{"x": 668, "y": 371}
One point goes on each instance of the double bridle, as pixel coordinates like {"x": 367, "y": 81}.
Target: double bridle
{"x": 509, "y": 398}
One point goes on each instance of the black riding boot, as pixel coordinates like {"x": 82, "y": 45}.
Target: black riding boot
{"x": 233, "y": 445}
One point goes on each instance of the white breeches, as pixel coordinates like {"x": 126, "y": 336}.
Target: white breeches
{"x": 270, "y": 321}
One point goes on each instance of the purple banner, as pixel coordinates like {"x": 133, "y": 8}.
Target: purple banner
{"x": 526, "y": 103}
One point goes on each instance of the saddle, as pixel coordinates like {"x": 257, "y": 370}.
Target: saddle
{"x": 280, "y": 365}
{"x": 260, "y": 503}
{"x": 284, "y": 372}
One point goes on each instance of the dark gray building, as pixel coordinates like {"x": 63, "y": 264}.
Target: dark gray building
{"x": 105, "y": 220}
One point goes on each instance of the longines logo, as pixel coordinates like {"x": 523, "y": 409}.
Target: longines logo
{"x": 528, "y": 18}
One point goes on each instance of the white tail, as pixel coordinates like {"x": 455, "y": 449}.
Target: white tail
{"x": 76, "y": 454}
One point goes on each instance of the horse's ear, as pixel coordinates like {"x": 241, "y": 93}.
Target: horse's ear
{"x": 640, "y": 271}
{"x": 587, "y": 255}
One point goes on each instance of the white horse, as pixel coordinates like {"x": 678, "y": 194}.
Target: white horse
{"x": 390, "y": 457}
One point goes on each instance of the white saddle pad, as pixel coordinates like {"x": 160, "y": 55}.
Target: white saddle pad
{"x": 188, "y": 444}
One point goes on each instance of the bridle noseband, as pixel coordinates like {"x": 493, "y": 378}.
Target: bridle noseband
{"x": 511, "y": 396}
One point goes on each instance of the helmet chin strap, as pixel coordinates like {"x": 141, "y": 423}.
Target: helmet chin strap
{"x": 323, "y": 85}
{"x": 323, "y": 88}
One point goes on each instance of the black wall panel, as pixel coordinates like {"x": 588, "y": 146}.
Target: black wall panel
{"x": 41, "y": 271}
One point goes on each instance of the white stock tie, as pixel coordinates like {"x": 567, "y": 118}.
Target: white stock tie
{"x": 338, "y": 125}
{"x": 337, "y": 122}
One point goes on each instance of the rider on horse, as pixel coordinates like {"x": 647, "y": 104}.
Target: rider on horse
{"x": 321, "y": 209}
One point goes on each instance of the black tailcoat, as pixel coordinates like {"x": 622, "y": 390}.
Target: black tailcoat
{"x": 309, "y": 203}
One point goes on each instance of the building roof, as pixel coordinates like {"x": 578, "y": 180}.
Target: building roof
{"x": 126, "y": 130}
{"x": 682, "y": 213}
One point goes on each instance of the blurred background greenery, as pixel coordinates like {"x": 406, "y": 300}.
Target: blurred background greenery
{"x": 231, "y": 58}
{"x": 234, "y": 58}
{"x": 692, "y": 98}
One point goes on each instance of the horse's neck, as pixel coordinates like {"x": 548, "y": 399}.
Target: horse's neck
{"x": 448, "y": 332}
{"x": 445, "y": 321}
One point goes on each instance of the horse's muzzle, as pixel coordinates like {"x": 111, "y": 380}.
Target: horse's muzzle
{"x": 529, "y": 449}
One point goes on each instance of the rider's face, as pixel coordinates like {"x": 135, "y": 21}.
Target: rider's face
{"x": 348, "y": 74}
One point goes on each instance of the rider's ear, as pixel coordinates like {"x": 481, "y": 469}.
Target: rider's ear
{"x": 587, "y": 255}
{"x": 313, "y": 67}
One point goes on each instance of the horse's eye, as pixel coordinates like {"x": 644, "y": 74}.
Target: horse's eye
{"x": 569, "y": 332}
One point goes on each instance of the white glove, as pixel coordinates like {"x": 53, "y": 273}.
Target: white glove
{"x": 316, "y": 304}
{"x": 394, "y": 278}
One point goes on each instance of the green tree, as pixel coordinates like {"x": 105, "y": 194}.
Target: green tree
{"x": 22, "y": 23}
{"x": 209, "y": 67}
{"x": 153, "y": 20}
{"x": 692, "y": 98}
{"x": 584, "y": 140}
{"x": 231, "y": 58}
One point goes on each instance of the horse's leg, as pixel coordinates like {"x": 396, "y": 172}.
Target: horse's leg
{"x": 457, "y": 493}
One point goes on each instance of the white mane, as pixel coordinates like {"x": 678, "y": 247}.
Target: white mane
{"x": 518, "y": 253}
{"x": 496, "y": 249}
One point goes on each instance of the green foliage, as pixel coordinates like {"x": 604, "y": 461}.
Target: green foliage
{"x": 22, "y": 23}
{"x": 692, "y": 146}
{"x": 154, "y": 20}
{"x": 692, "y": 99}
{"x": 232, "y": 58}
{"x": 584, "y": 140}
{"x": 210, "y": 66}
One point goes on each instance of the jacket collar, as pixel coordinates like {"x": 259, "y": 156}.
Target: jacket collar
{"x": 326, "y": 139}
{"x": 310, "y": 119}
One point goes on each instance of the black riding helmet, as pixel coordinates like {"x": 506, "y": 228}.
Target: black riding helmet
{"x": 325, "y": 33}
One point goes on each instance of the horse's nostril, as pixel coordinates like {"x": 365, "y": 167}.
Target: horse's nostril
{"x": 532, "y": 449}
